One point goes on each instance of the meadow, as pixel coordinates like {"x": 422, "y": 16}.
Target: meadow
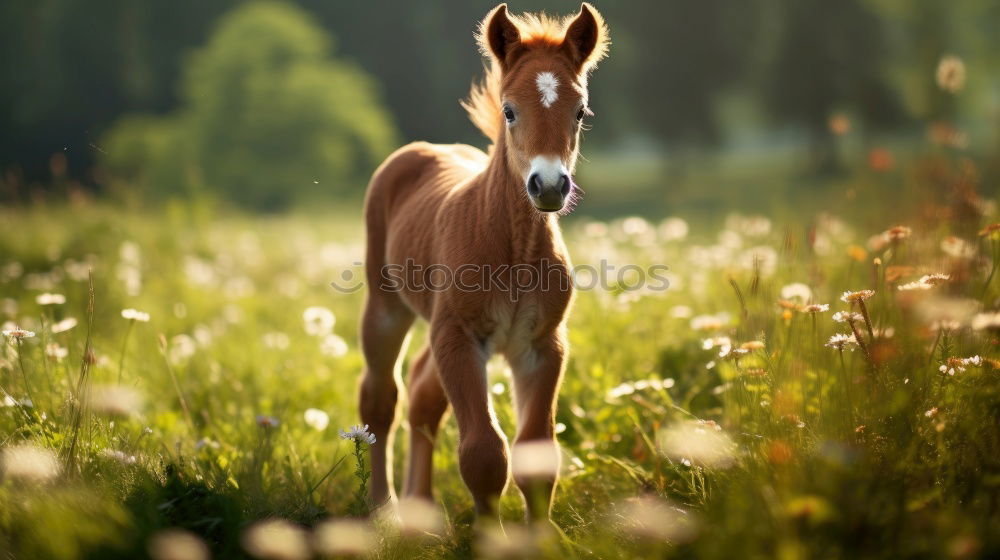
{"x": 810, "y": 385}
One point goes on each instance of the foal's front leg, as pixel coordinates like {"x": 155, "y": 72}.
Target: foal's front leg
{"x": 482, "y": 449}
{"x": 537, "y": 372}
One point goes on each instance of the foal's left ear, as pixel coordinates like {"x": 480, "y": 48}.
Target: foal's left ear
{"x": 587, "y": 38}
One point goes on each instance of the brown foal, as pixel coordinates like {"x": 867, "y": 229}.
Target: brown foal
{"x": 470, "y": 242}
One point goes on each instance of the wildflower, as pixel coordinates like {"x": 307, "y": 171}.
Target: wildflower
{"x": 182, "y": 347}
{"x": 957, "y": 247}
{"x": 789, "y": 305}
{"x": 839, "y": 124}
{"x": 716, "y": 342}
{"x": 951, "y": 74}
{"x": 265, "y": 421}
{"x": 135, "y": 315}
{"x": 842, "y": 341}
{"x": 206, "y": 442}
{"x": 29, "y": 463}
{"x": 50, "y": 299}
{"x": 358, "y": 433}
{"x": 881, "y": 160}
{"x": 847, "y": 317}
{"x": 64, "y": 325}
{"x": 672, "y": 229}
{"x": 276, "y": 539}
{"x": 931, "y": 413}
{"x": 318, "y": 321}
{"x": 621, "y": 390}
{"x": 945, "y": 325}
{"x": 991, "y": 230}
{"x": 861, "y": 295}
{"x": 276, "y": 340}
{"x": 177, "y": 544}
{"x": 752, "y": 345}
{"x": 816, "y": 308}
{"x": 316, "y": 419}
{"x": 652, "y": 517}
{"x": 701, "y": 444}
{"x": 119, "y": 456}
{"x": 55, "y": 351}
{"x": 511, "y": 541}
{"x": 535, "y": 459}
{"x": 857, "y": 253}
{"x": 419, "y": 517}
{"x": 709, "y": 322}
{"x": 796, "y": 290}
{"x": 115, "y": 400}
{"x": 731, "y": 353}
{"x": 897, "y": 233}
{"x": 18, "y": 333}
{"x": 986, "y": 321}
{"x": 333, "y": 346}
{"x": 343, "y": 537}
{"x": 926, "y": 282}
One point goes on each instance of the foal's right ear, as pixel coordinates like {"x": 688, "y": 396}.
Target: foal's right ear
{"x": 499, "y": 35}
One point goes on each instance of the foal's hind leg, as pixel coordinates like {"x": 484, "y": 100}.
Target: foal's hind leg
{"x": 384, "y": 325}
{"x": 427, "y": 406}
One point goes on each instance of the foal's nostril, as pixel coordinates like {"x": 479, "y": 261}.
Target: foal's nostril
{"x": 534, "y": 185}
{"x": 564, "y": 184}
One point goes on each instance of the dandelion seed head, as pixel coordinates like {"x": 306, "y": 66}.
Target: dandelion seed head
{"x": 316, "y": 419}
{"x": 318, "y": 321}
{"x": 276, "y": 539}
{"x": 535, "y": 459}
{"x": 419, "y": 517}
{"x": 115, "y": 400}
{"x": 29, "y": 463}
{"x": 50, "y": 299}
{"x": 135, "y": 315}
{"x": 64, "y": 325}
{"x": 700, "y": 443}
{"x": 177, "y": 544}
{"x": 950, "y": 75}
{"x": 654, "y": 518}
{"x": 343, "y": 537}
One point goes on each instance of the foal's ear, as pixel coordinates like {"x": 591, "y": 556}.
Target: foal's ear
{"x": 499, "y": 35}
{"x": 587, "y": 38}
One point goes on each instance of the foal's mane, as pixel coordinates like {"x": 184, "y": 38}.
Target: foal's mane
{"x": 483, "y": 103}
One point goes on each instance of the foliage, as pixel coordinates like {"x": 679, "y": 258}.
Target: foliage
{"x": 266, "y": 117}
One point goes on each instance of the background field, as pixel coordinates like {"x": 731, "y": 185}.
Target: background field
{"x": 209, "y": 173}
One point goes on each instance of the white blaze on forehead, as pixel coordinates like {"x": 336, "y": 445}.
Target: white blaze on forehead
{"x": 547, "y": 84}
{"x": 548, "y": 169}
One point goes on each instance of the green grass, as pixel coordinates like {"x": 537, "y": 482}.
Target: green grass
{"x": 817, "y": 454}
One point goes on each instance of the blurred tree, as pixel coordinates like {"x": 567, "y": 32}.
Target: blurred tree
{"x": 827, "y": 56}
{"x": 688, "y": 53}
{"x": 266, "y": 117}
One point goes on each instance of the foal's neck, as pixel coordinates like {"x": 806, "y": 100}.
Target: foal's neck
{"x": 533, "y": 234}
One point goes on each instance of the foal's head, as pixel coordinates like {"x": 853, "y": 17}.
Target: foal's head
{"x": 540, "y": 95}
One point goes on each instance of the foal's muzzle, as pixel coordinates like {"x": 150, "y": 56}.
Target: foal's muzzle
{"x": 549, "y": 196}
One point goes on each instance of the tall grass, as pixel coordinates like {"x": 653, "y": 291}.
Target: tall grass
{"x": 730, "y": 415}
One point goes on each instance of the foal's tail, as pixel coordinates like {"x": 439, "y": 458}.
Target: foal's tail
{"x": 483, "y": 104}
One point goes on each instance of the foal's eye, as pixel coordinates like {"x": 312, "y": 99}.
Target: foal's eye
{"x": 508, "y": 114}
{"x": 580, "y": 114}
